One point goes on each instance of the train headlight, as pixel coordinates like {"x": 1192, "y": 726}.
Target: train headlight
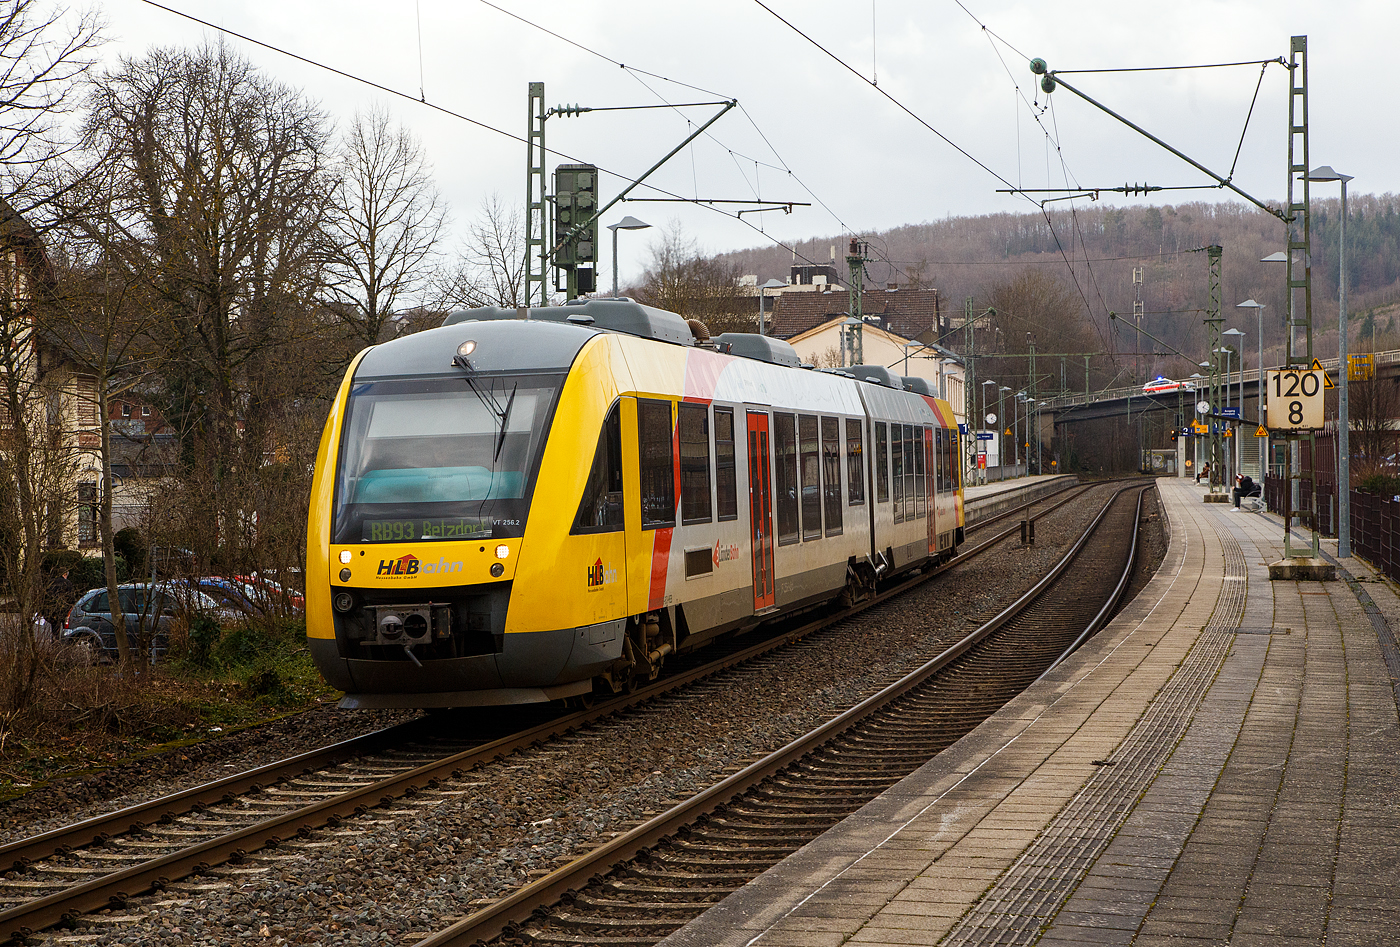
{"x": 502, "y": 552}
{"x": 345, "y": 575}
{"x": 345, "y": 556}
{"x": 497, "y": 570}
{"x": 467, "y": 347}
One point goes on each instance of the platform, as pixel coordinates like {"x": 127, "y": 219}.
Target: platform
{"x": 988, "y": 499}
{"x": 1220, "y": 765}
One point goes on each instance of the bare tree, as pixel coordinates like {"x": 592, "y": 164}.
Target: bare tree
{"x": 491, "y": 270}
{"x": 1373, "y": 410}
{"x": 35, "y": 460}
{"x": 41, "y": 61}
{"x": 686, "y": 282}
{"x": 387, "y": 223}
{"x": 220, "y": 174}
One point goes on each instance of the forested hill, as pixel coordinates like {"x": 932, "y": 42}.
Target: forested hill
{"x": 983, "y": 256}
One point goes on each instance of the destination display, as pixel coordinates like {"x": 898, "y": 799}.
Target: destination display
{"x": 392, "y": 531}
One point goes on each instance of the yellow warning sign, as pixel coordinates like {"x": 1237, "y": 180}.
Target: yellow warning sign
{"x": 1327, "y": 381}
{"x": 1261, "y": 431}
{"x": 1008, "y": 433}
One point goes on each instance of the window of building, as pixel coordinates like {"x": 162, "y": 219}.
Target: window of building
{"x": 87, "y": 512}
{"x": 810, "y": 448}
{"x": 831, "y": 474}
{"x": 600, "y": 511}
{"x": 882, "y": 463}
{"x": 855, "y": 462}
{"x": 694, "y": 421}
{"x": 85, "y": 400}
{"x": 785, "y": 464}
{"x": 726, "y": 485}
{"x": 657, "y": 460}
{"x": 145, "y": 411}
{"x": 126, "y": 410}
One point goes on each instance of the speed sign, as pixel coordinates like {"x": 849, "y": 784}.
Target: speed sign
{"x": 1295, "y": 399}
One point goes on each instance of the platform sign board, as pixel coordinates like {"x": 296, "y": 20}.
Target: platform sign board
{"x": 1230, "y": 412}
{"x": 1294, "y": 399}
{"x": 985, "y": 435}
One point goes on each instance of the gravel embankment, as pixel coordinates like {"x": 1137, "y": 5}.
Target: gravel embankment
{"x": 418, "y": 865}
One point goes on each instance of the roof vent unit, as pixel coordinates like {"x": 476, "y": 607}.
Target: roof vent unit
{"x": 918, "y": 385}
{"x": 614, "y": 315}
{"x": 762, "y": 347}
{"x": 877, "y": 375}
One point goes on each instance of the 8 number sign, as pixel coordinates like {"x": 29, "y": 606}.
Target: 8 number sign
{"x": 1295, "y": 399}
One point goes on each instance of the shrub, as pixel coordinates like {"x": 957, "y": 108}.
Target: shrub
{"x": 1383, "y": 484}
{"x": 131, "y": 546}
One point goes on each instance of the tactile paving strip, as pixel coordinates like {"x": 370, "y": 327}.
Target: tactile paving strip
{"x": 1016, "y": 909}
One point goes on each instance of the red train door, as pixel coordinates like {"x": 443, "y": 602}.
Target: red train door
{"x": 761, "y": 510}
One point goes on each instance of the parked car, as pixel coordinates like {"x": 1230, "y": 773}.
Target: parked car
{"x": 145, "y": 608}
{"x": 272, "y": 595}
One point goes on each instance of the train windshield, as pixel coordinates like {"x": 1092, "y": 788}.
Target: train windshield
{"x": 441, "y": 458}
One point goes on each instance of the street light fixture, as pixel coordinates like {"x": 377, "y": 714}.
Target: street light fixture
{"x": 1325, "y": 173}
{"x": 1263, "y": 442}
{"x": 626, "y": 223}
{"x": 771, "y": 284}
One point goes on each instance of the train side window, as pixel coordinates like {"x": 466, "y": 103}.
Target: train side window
{"x": 726, "y": 486}
{"x": 785, "y": 463}
{"x": 955, "y": 465}
{"x": 831, "y": 474}
{"x": 600, "y": 511}
{"x": 694, "y": 423}
{"x": 855, "y": 461}
{"x": 897, "y": 469}
{"x": 908, "y": 440}
{"x": 657, "y": 463}
{"x": 916, "y": 444}
{"x": 882, "y": 462}
{"x": 809, "y": 447}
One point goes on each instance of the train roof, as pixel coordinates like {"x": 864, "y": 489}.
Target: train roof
{"x": 500, "y": 347}
{"x": 617, "y": 315}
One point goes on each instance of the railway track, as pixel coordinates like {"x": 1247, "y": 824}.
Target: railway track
{"x": 103, "y": 862}
{"x": 636, "y": 889}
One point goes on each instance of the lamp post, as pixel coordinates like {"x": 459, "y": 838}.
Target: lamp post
{"x": 1237, "y": 342}
{"x": 915, "y": 344}
{"x": 1197, "y": 379}
{"x": 771, "y": 284}
{"x": 1001, "y": 437}
{"x": 1263, "y": 441}
{"x": 626, "y": 223}
{"x": 1021, "y": 399}
{"x": 1325, "y": 173}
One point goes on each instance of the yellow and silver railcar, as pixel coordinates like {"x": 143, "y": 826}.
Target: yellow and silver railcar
{"x": 525, "y": 506}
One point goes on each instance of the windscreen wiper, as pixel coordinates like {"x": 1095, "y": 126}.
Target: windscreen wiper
{"x": 505, "y": 421}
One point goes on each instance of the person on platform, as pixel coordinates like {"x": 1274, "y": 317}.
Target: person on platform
{"x": 1203, "y": 472}
{"x": 1244, "y": 487}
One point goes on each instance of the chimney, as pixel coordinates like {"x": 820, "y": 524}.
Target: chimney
{"x": 891, "y": 287}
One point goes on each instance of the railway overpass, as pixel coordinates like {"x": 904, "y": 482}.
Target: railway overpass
{"x": 1157, "y": 414}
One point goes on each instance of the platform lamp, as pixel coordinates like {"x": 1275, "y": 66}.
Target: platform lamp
{"x": 1196, "y": 379}
{"x": 1264, "y": 441}
{"x": 626, "y": 223}
{"x": 771, "y": 284}
{"x": 1325, "y": 173}
{"x": 1237, "y": 338}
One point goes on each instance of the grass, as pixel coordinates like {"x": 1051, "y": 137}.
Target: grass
{"x": 84, "y": 718}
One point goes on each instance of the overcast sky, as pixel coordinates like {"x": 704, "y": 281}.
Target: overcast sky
{"x": 811, "y": 131}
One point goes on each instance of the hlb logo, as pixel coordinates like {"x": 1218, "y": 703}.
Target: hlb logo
{"x": 600, "y": 575}
{"x": 404, "y": 565}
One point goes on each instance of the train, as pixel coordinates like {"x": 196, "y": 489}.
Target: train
{"x": 544, "y": 504}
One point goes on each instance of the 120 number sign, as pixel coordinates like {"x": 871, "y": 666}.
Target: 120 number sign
{"x": 1295, "y": 399}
